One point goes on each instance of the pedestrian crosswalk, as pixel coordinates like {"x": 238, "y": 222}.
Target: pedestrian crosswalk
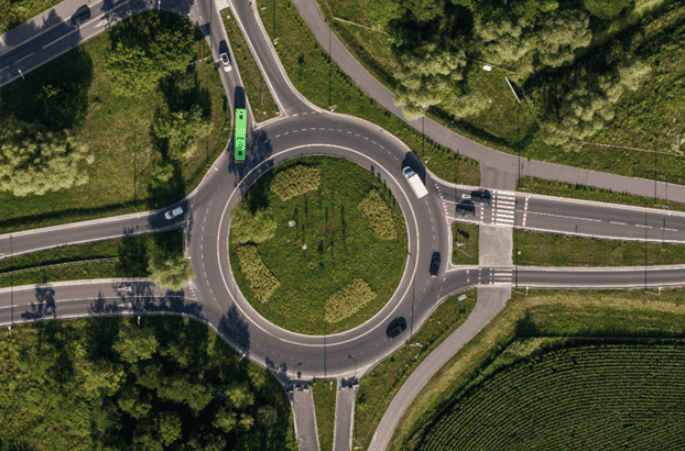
{"x": 503, "y": 211}
{"x": 501, "y": 277}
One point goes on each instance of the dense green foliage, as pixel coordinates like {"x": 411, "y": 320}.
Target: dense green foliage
{"x": 330, "y": 245}
{"x": 374, "y": 208}
{"x": 619, "y": 395}
{"x": 606, "y": 9}
{"x": 110, "y": 384}
{"x": 247, "y": 227}
{"x": 181, "y": 130}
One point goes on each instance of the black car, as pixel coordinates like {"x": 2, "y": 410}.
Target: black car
{"x": 435, "y": 264}
{"x": 481, "y": 197}
{"x": 396, "y": 327}
{"x": 466, "y": 209}
{"x": 80, "y": 16}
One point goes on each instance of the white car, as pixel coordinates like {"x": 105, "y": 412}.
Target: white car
{"x": 226, "y": 62}
{"x": 173, "y": 213}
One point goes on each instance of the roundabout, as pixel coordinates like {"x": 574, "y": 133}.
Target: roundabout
{"x": 326, "y": 258}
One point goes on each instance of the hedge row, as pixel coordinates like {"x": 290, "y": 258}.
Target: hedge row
{"x": 295, "y": 181}
{"x": 260, "y": 279}
{"x": 346, "y": 302}
{"x": 374, "y": 208}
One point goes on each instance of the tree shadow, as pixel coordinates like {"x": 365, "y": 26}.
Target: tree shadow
{"x": 235, "y": 331}
{"x": 258, "y": 151}
{"x": 55, "y": 94}
{"x": 44, "y": 305}
{"x": 133, "y": 256}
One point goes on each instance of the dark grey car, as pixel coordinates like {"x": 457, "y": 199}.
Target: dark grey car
{"x": 81, "y": 16}
{"x": 435, "y": 264}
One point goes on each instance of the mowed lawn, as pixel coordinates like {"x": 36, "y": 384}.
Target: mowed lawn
{"x": 549, "y": 249}
{"x": 341, "y": 247}
{"x": 117, "y": 131}
{"x": 622, "y": 395}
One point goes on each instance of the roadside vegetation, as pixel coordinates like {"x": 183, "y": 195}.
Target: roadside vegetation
{"x": 133, "y": 155}
{"x": 154, "y": 255}
{"x": 314, "y": 246}
{"x": 544, "y": 313}
{"x": 465, "y": 244}
{"x": 262, "y": 104}
{"x": 321, "y": 81}
{"x": 378, "y": 387}
{"x": 568, "y": 391}
{"x": 577, "y": 68}
{"x": 549, "y": 249}
{"x": 16, "y": 12}
{"x": 109, "y": 383}
{"x": 324, "y": 393}
{"x": 561, "y": 189}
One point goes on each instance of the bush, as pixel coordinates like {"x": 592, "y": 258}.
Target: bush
{"x": 256, "y": 228}
{"x": 295, "y": 181}
{"x": 346, "y": 302}
{"x": 260, "y": 279}
{"x": 378, "y": 213}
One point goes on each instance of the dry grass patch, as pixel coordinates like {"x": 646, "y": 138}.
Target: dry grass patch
{"x": 295, "y": 181}
{"x": 260, "y": 279}
{"x": 373, "y": 208}
{"x": 346, "y": 302}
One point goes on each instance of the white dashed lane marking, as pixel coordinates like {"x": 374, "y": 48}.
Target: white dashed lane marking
{"x": 643, "y": 226}
{"x": 670, "y": 230}
{"x": 617, "y": 223}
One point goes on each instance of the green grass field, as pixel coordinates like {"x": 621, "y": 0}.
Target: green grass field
{"x": 321, "y": 81}
{"x": 118, "y": 133}
{"x": 544, "y": 313}
{"x": 82, "y": 261}
{"x": 467, "y": 236}
{"x": 324, "y": 393}
{"x": 548, "y": 249}
{"x": 561, "y": 189}
{"x": 262, "y": 104}
{"x": 340, "y": 246}
{"x": 379, "y": 386}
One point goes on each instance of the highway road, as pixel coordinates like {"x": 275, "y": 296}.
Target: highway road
{"x": 303, "y": 129}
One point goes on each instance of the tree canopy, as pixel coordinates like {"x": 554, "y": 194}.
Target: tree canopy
{"x": 503, "y": 37}
{"x": 35, "y": 162}
{"x": 606, "y": 9}
{"x": 182, "y": 130}
{"x": 562, "y": 32}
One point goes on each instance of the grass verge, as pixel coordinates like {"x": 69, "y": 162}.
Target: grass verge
{"x": 117, "y": 131}
{"x": 320, "y": 80}
{"x": 324, "y": 393}
{"x": 340, "y": 246}
{"x": 379, "y": 386}
{"x": 570, "y": 313}
{"x": 102, "y": 259}
{"x": 568, "y": 190}
{"x": 466, "y": 235}
{"x": 262, "y": 104}
{"x": 548, "y": 249}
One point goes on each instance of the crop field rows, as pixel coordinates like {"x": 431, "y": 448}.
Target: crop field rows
{"x": 584, "y": 397}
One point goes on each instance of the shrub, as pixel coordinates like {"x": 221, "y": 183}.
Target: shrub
{"x": 378, "y": 213}
{"x": 260, "y": 279}
{"x": 295, "y": 181}
{"x": 257, "y": 228}
{"x": 346, "y": 302}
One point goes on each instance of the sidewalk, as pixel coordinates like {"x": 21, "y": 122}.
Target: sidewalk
{"x": 305, "y": 420}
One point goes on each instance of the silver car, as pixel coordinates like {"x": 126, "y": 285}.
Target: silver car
{"x": 226, "y": 62}
{"x": 173, "y": 213}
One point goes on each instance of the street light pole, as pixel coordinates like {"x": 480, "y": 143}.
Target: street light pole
{"x": 22, "y": 75}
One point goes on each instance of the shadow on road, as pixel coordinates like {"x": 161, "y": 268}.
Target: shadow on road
{"x": 44, "y": 305}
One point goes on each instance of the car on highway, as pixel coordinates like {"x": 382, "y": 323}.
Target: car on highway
{"x": 466, "y": 209}
{"x": 435, "y": 264}
{"x": 171, "y": 214}
{"x": 81, "y": 16}
{"x": 481, "y": 197}
{"x": 396, "y": 327}
{"x": 226, "y": 62}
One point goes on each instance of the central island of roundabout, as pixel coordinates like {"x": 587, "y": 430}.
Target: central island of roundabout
{"x": 317, "y": 245}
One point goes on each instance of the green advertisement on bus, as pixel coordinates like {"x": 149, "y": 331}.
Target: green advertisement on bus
{"x": 240, "y": 130}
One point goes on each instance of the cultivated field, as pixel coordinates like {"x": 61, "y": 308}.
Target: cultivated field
{"x": 591, "y": 396}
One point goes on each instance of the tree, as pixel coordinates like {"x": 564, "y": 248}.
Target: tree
{"x": 161, "y": 174}
{"x": 503, "y": 37}
{"x": 182, "y": 129}
{"x": 425, "y": 77}
{"x": 135, "y": 344}
{"x": 170, "y": 270}
{"x": 561, "y": 34}
{"x": 256, "y": 228}
{"x": 169, "y": 427}
{"x": 35, "y": 162}
{"x": 583, "y": 113}
{"x": 461, "y": 106}
{"x": 632, "y": 73}
{"x": 606, "y": 9}
{"x": 424, "y": 10}
{"x": 380, "y": 12}
{"x": 145, "y": 49}
{"x": 226, "y": 421}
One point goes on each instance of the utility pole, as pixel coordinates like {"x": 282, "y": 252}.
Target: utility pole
{"x": 22, "y": 75}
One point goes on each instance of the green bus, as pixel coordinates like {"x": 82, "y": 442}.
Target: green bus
{"x": 240, "y": 130}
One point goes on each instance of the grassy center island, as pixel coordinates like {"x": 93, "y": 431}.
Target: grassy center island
{"x": 318, "y": 245}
